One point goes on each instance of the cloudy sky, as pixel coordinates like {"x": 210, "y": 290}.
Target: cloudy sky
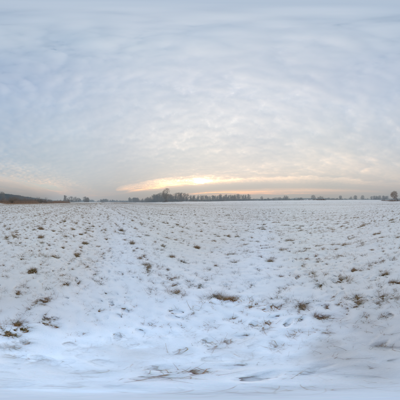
{"x": 121, "y": 98}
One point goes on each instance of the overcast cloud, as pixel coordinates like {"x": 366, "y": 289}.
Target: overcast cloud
{"x": 115, "y": 98}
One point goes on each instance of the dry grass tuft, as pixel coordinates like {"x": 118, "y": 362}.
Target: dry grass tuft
{"x": 41, "y": 237}
{"x": 224, "y": 297}
{"x": 9, "y": 334}
{"x": 48, "y": 321}
{"x": 196, "y": 247}
{"x": 344, "y": 278}
{"x": 384, "y": 273}
{"x": 198, "y": 371}
{"x": 131, "y": 242}
{"x": 358, "y": 300}
{"x": 77, "y": 255}
{"x": 394, "y": 282}
{"x": 321, "y": 316}
{"x": 271, "y": 259}
{"x": 45, "y": 300}
{"x": 85, "y": 243}
{"x": 302, "y": 306}
{"x": 41, "y": 228}
{"x": 32, "y": 271}
{"x": 148, "y": 267}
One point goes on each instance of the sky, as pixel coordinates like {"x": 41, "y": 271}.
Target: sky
{"x": 122, "y": 98}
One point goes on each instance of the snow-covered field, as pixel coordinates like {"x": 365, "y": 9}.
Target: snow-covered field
{"x": 225, "y": 299}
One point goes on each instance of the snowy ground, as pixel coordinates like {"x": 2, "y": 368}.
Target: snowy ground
{"x": 222, "y": 299}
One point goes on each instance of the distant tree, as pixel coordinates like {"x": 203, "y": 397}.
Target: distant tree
{"x": 285, "y": 197}
{"x": 355, "y": 197}
{"x": 86, "y": 199}
{"x": 262, "y": 198}
{"x": 313, "y": 197}
{"x": 394, "y": 195}
{"x": 362, "y": 197}
{"x": 165, "y": 194}
{"x": 340, "y": 198}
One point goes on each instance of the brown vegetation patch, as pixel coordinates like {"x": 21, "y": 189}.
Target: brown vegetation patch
{"x": 358, "y": 300}
{"x": 321, "y": 316}
{"x": 45, "y": 300}
{"x": 148, "y": 267}
{"x": 224, "y": 297}
{"x": 344, "y": 278}
{"x": 48, "y": 321}
{"x": 9, "y": 334}
{"x": 302, "y": 306}
{"x": 198, "y": 371}
{"x": 32, "y": 271}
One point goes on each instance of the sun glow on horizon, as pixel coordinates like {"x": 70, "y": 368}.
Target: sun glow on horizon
{"x": 175, "y": 182}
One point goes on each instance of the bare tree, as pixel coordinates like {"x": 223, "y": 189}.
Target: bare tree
{"x": 394, "y": 195}
{"x": 165, "y": 194}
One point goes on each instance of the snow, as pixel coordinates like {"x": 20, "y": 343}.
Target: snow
{"x": 122, "y": 300}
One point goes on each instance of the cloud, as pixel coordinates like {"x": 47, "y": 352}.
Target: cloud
{"x": 96, "y": 96}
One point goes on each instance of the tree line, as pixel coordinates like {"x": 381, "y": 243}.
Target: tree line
{"x": 72, "y": 199}
{"x": 166, "y": 196}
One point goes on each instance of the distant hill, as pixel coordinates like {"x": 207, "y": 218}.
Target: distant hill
{"x": 6, "y": 196}
{"x": 17, "y": 199}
